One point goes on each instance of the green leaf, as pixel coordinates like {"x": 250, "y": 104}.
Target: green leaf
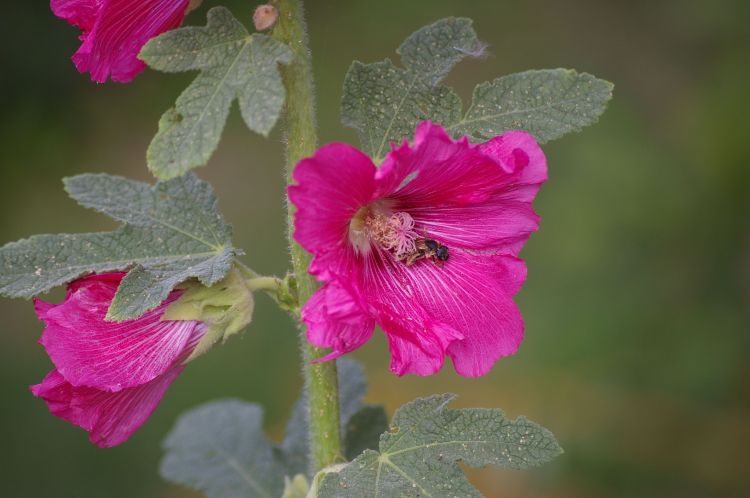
{"x": 233, "y": 64}
{"x": 384, "y": 103}
{"x": 172, "y": 231}
{"x": 219, "y": 449}
{"x": 547, "y": 103}
{"x": 363, "y": 430}
{"x": 186, "y": 206}
{"x": 433, "y": 50}
{"x": 418, "y": 454}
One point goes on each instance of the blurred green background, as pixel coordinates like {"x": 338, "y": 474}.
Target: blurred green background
{"x": 636, "y": 305}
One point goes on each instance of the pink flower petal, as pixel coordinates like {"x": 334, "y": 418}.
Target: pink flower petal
{"x": 417, "y": 345}
{"x": 437, "y": 170}
{"x": 331, "y": 186}
{"x": 114, "y": 31}
{"x": 80, "y": 13}
{"x": 475, "y": 197}
{"x": 464, "y": 308}
{"x": 492, "y": 321}
{"x": 522, "y": 155}
{"x": 498, "y": 224}
{"x": 89, "y": 351}
{"x": 110, "y": 418}
{"x": 335, "y": 320}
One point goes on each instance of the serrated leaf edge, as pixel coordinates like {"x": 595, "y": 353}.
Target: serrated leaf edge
{"x": 568, "y": 72}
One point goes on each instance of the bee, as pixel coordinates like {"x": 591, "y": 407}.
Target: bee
{"x": 428, "y": 249}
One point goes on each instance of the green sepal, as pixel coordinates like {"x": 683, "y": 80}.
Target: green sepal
{"x": 226, "y": 308}
{"x": 288, "y": 295}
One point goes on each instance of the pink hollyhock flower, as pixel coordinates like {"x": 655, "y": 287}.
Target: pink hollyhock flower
{"x": 109, "y": 376}
{"x": 425, "y": 246}
{"x": 114, "y": 31}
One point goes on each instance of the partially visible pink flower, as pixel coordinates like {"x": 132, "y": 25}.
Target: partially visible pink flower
{"x": 109, "y": 376}
{"x": 114, "y": 31}
{"x": 369, "y": 229}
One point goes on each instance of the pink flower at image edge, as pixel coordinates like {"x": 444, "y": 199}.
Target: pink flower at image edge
{"x": 374, "y": 231}
{"x": 114, "y": 31}
{"x": 109, "y": 376}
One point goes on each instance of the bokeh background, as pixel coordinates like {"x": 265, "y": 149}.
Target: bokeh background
{"x": 637, "y": 301}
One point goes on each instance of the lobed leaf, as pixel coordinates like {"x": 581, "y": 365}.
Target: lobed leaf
{"x": 188, "y": 206}
{"x": 384, "y": 103}
{"x": 219, "y": 449}
{"x": 172, "y": 231}
{"x": 547, "y": 103}
{"x": 418, "y": 455}
{"x": 433, "y": 50}
{"x": 233, "y": 64}
{"x": 363, "y": 430}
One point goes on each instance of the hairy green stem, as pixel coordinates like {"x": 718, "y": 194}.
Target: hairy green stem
{"x": 321, "y": 379}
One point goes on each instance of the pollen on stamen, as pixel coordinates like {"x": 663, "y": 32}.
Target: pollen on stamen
{"x": 394, "y": 233}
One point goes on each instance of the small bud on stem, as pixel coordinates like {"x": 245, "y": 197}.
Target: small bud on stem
{"x": 192, "y": 5}
{"x": 265, "y": 17}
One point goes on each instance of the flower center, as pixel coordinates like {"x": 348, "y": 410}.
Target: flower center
{"x": 392, "y": 231}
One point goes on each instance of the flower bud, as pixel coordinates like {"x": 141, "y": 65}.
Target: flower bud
{"x": 192, "y": 5}
{"x": 265, "y": 17}
{"x": 226, "y": 308}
